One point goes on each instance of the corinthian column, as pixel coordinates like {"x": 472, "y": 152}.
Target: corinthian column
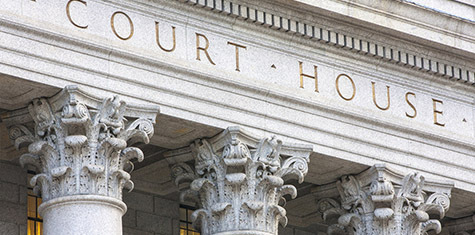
{"x": 238, "y": 182}
{"x": 78, "y": 146}
{"x": 383, "y": 202}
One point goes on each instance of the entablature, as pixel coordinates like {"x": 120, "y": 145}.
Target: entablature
{"x": 264, "y": 95}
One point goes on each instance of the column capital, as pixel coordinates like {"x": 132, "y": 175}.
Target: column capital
{"x": 381, "y": 201}
{"x": 238, "y": 181}
{"x": 78, "y": 142}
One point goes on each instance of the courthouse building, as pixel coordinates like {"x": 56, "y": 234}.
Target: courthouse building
{"x": 237, "y": 117}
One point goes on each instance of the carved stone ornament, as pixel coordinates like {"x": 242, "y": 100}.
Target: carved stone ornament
{"x": 379, "y": 202}
{"x": 79, "y": 144}
{"x": 238, "y": 182}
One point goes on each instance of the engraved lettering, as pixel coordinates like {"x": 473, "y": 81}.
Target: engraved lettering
{"x": 130, "y": 22}
{"x": 337, "y": 81}
{"x": 374, "y": 97}
{"x": 204, "y": 49}
{"x": 411, "y": 105}
{"x": 68, "y": 13}
{"x": 157, "y": 33}
{"x": 436, "y": 111}
{"x": 302, "y": 75}
{"x": 237, "y": 46}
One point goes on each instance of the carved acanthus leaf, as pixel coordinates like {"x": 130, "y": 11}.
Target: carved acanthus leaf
{"x": 240, "y": 186}
{"x": 79, "y": 149}
{"x": 376, "y": 208}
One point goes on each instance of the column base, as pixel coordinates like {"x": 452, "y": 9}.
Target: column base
{"x": 82, "y": 214}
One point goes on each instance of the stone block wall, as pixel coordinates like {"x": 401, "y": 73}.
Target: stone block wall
{"x": 150, "y": 215}
{"x": 289, "y": 230}
{"x": 13, "y": 199}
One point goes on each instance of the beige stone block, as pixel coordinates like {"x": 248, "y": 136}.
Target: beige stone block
{"x": 8, "y": 228}
{"x": 139, "y": 201}
{"x": 165, "y": 207}
{"x": 9, "y": 192}
{"x": 154, "y": 223}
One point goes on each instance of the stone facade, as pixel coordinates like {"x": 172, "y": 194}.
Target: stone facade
{"x": 78, "y": 149}
{"x": 13, "y": 193}
{"x": 149, "y": 214}
{"x": 370, "y": 204}
{"x": 270, "y": 117}
{"x": 238, "y": 182}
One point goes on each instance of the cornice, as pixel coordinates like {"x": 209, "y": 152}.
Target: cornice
{"x": 321, "y": 34}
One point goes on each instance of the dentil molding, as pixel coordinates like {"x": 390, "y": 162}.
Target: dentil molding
{"x": 325, "y": 35}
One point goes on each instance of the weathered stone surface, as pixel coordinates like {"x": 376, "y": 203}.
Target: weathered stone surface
{"x": 286, "y": 231}
{"x": 23, "y": 229}
{"x": 372, "y": 203}
{"x": 12, "y": 173}
{"x": 82, "y": 214}
{"x": 8, "y": 229}
{"x": 131, "y": 231}
{"x": 129, "y": 218}
{"x": 167, "y": 207}
{"x": 154, "y": 223}
{"x": 301, "y": 232}
{"x": 295, "y": 231}
{"x": 150, "y": 214}
{"x": 238, "y": 182}
{"x": 12, "y": 212}
{"x": 263, "y": 97}
{"x": 9, "y": 192}
{"x": 139, "y": 201}
{"x": 176, "y": 227}
{"x": 78, "y": 147}
{"x": 23, "y": 195}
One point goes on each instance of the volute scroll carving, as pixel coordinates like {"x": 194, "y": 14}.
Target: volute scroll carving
{"x": 80, "y": 147}
{"x": 239, "y": 182}
{"x": 376, "y": 204}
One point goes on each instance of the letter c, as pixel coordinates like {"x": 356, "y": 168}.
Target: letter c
{"x": 69, "y": 14}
